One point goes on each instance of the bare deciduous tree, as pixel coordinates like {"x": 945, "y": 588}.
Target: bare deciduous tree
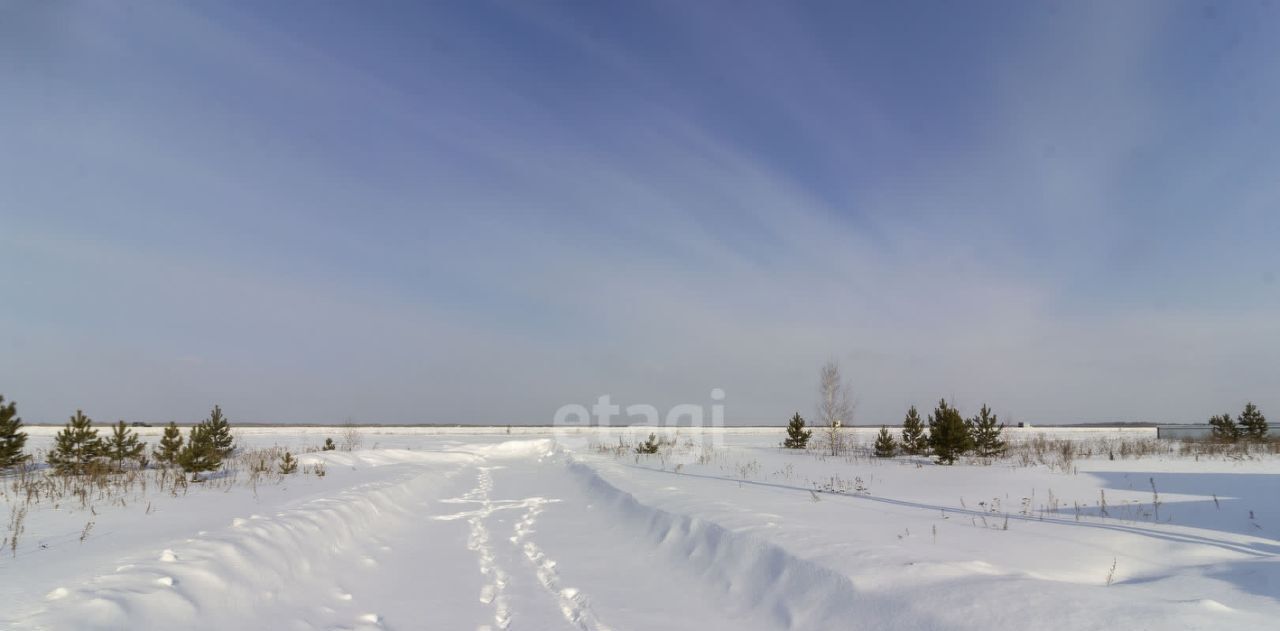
{"x": 351, "y": 437}
{"x": 835, "y": 408}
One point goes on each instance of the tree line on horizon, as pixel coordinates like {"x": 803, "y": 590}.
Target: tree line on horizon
{"x": 948, "y": 435}
{"x": 78, "y": 449}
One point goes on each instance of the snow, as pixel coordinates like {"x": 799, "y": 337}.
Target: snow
{"x": 473, "y": 528}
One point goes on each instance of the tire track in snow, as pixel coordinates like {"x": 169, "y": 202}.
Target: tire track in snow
{"x": 493, "y": 592}
{"x": 573, "y": 604}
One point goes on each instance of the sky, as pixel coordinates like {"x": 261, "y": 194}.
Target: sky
{"x": 479, "y": 212}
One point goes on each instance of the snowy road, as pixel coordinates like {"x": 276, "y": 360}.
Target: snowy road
{"x": 535, "y": 534}
{"x": 509, "y": 539}
{"x": 518, "y": 542}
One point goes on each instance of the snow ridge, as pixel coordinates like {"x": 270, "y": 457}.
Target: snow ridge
{"x": 281, "y": 560}
{"x": 748, "y": 573}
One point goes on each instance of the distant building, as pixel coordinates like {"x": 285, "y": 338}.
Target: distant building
{"x": 1189, "y": 431}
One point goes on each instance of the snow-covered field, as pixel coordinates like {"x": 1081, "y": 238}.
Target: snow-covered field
{"x": 430, "y": 528}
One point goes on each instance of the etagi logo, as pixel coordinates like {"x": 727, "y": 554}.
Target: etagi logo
{"x": 606, "y": 413}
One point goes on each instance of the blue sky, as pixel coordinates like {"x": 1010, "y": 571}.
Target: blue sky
{"x": 479, "y": 212}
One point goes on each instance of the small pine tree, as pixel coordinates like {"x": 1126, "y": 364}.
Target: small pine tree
{"x": 199, "y": 454}
{"x": 12, "y": 439}
{"x": 170, "y": 446}
{"x": 288, "y": 464}
{"x": 328, "y": 445}
{"x": 75, "y": 446}
{"x": 986, "y": 430}
{"x": 1253, "y": 425}
{"x": 913, "y": 439}
{"x": 1224, "y": 428}
{"x": 650, "y": 446}
{"x": 123, "y": 445}
{"x": 797, "y": 435}
{"x": 219, "y": 430}
{"x": 948, "y": 433}
{"x": 886, "y": 446}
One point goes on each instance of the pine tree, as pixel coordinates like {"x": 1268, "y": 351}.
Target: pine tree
{"x": 986, "y": 431}
{"x": 886, "y": 446}
{"x": 200, "y": 454}
{"x": 170, "y": 446}
{"x": 948, "y": 434}
{"x": 123, "y": 445}
{"x": 76, "y": 446}
{"x": 913, "y": 438}
{"x": 288, "y": 464}
{"x": 329, "y": 446}
{"x": 1224, "y": 428}
{"x": 220, "y": 433}
{"x": 650, "y": 446}
{"x": 1253, "y": 425}
{"x": 797, "y": 435}
{"x": 12, "y": 439}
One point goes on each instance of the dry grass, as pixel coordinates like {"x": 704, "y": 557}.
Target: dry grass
{"x": 104, "y": 485}
{"x": 1060, "y": 454}
{"x": 1039, "y": 450}
{"x": 36, "y": 486}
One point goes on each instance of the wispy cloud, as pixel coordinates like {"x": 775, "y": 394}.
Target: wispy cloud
{"x": 478, "y": 213}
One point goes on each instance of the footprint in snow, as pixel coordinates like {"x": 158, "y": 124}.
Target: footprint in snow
{"x": 168, "y": 556}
